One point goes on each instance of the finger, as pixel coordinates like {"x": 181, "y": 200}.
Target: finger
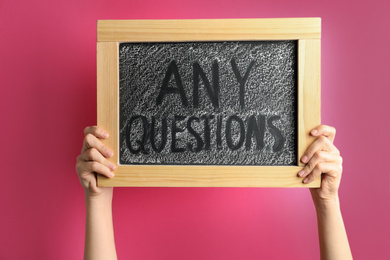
{"x": 319, "y": 157}
{"x": 330, "y": 169}
{"x": 324, "y": 130}
{"x": 96, "y": 131}
{"x": 94, "y": 155}
{"x": 90, "y": 167}
{"x": 321, "y": 144}
{"x": 91, "y": 141}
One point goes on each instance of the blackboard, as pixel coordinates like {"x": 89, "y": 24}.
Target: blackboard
{"x": 211, "y": 103}
{"x": 208, "y": 103}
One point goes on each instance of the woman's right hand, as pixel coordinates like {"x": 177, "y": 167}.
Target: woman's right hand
{"x": 94, "y": 160}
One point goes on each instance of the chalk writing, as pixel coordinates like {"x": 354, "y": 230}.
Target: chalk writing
{"x": 208, "y": 103}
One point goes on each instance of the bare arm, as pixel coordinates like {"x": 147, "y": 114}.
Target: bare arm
{"x": 99, "y": 234}
{"x": 323, "y": 160}
{"x": 332, "y": 235}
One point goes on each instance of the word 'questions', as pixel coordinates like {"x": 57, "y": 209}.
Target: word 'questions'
{"x": 212, "y": 103}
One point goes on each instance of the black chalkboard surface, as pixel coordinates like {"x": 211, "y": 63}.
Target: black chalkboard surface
{"x": 208, "y": 103}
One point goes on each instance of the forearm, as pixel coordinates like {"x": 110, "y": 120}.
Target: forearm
{"x": 331, "y": 230}
{"x": 99, "y": 236}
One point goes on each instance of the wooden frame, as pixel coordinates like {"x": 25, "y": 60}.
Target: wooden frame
{"x": 307, "y": 31}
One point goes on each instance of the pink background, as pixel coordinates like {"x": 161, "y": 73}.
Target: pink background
{"x": 48, "y": 82}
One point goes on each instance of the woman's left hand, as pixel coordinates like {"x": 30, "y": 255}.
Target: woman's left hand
{"x": 323, "y": 159}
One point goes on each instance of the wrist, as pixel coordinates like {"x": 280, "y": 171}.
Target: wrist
{"x": 327, "y": 205}
{"x": 104, "y": 198}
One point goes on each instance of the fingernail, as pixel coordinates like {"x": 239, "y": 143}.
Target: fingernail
{"x": 301, "y": 173}
{"x": 112, "y": 167}
{"x": 304, "y": 159}
{"x": 306, "y": 180}
{"x": 109, "y": 153}
{"x": 313, "y": 132}
{"x": 105, "y": 134}
{"x": 111, "y": 174}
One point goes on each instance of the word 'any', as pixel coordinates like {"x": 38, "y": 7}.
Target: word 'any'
{"x": 212, "y": 89}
